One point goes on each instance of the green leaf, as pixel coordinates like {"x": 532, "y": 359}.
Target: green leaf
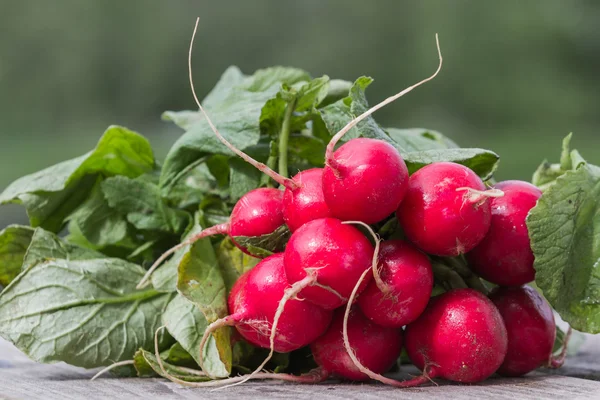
{"x": 86, "y": 313}
{"x": 482, "y": 162}
{"x": 197, "y": 183}
{"x": 338, "y": 114}
{"x": 147, "y": 366}
{"x": 236, "y": 108}
{"x": 143, "y": 205}
{"x": 200, "y": 280}
{"x": 564, "y": 229}
{"x": 233, "y": 262}
{"x": 336, "y": 90}
{"x": 312, "y": 93}
{"x": 98, "y": 222}
{"x": 265, "y": 245}
{"x": 547, "y": 173}
{"x": 187, "y": 324}
{"x": 264, "y": 79}
{"x": 305, "y": 152}
{"x": 46, "y": 245}
{"x": 244, "y": 178}
{"x": 52, "y": 194}
{"x": 418, "y": 139}
{"x": 177, "y": 355}
{"x": 14, "y": 240}
{"x": 164, "y": 279}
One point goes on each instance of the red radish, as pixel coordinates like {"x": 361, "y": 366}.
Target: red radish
{"x": 335, "y": 252}
{"x": 531, "y": 329}
{"x": 364, "y": 180}
{"x": 306, "y": 202}
{"x": 446, "y": 211}
{"x": 460, "y": 337}
{"x": 406, "y": 279}
{"x": 351, "y": 181}
{"x": 258, "y": 212}
{"x": 377, "y": 347}
{"x": 504, "y": 256}
{"x": 253, "y": 304}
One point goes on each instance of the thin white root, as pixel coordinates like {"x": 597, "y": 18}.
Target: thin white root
{"x": 110, "y": 367}
{"x": 355, "y": 121}
{"x": 559, "y": 360}
{"x": 314, "y": 376}
{"x": 213, "y": 230}
{"x": 290, "y": 293}
{"x": 384, "y": 287}
{"x": 286, "y": 182}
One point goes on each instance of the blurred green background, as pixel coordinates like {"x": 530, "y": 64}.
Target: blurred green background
{"x": 517, "y": 76}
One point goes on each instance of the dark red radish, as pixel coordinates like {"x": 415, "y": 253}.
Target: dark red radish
{"x": 306, "y": 201}
{"x": 337, "y": 254}
{"x": 253, "y": 304}
{"x": 446, "y": 210}
{"x": 404, "y": 287}
{"x": 459, "y": 337}
{"x": 504, "y": 256}
{"x": 376, "y": 347}
{"x": 530, "y": 326}
{"x": 258, "y": 212}
{"x": 364, "y": 180}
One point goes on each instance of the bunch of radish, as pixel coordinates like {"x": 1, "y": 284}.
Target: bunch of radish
{"x": 356, "y": 300}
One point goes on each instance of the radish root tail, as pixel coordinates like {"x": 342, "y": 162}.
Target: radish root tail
{"x": 558, "y": 361}
{"x": 286, "y": 182}
{"x": 290, "y": 293}
{"x": 230, "y": 320}
{"x": 383, "y": 287}
{"x": 329, "y": 160}
{"x": 110, "y": 367}
{"x": 375, "y": 376}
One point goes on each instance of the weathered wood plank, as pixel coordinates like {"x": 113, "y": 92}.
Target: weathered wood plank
{"x": 22, "y": 379}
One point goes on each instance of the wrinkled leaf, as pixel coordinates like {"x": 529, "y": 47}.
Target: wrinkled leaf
{"x": 482, "y": 162}
{"x": 338, "y": 114}
{"x": 235, "y": 107}
{"x": 46, "y": 245}
{"x": 141, "y": 203}
{"x": 564, "y": 229}
{"x": 265, "y": 245}
{"x": 244, "y": 178}
{"x": 164, "y": 279}
{"x": 86, "y": 313}
{"x": 312, "y": 93}
{"x": 200, "y": 280}
{"x": 14, "y": 241}
{"x": 187, "y": 324}
{"x": 50, "y": 195}
{"x": 98, "y": 222}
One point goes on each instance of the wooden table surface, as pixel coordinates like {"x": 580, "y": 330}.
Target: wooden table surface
{"x": 21, "y": 378}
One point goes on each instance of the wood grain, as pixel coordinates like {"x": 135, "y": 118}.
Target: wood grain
{"x": 21, "y": 378}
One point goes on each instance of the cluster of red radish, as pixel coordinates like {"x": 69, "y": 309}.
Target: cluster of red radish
{"x": 357, "y": 304}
